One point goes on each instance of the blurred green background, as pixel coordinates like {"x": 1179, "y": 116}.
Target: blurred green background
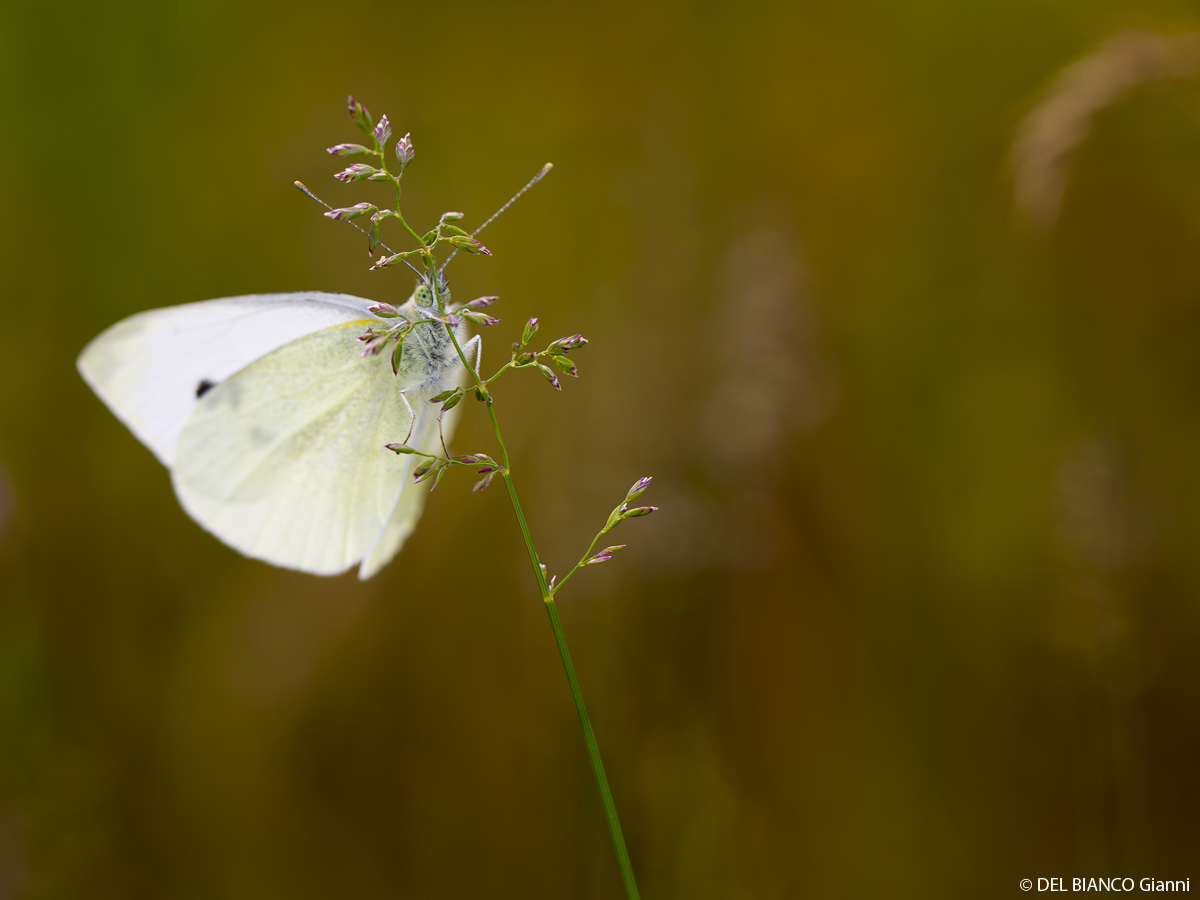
{"x": 919, "y": 614}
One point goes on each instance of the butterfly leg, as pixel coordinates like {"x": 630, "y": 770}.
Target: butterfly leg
{"x": 442, "y": 437}
{"x": 412, "y": 418}
{"x": 477, "y": 343}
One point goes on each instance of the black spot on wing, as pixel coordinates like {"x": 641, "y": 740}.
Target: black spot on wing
{"x": 204, "y": 387}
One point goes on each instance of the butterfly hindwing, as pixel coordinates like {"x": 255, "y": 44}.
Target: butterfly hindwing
{"x": 427, "y": 439}
{"x": 285, "y": 460}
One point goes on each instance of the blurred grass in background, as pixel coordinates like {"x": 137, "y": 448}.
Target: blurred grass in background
{"x": 918, "y": 617}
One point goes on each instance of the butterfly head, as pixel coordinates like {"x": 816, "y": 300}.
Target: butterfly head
{"x": 423, "y": 295}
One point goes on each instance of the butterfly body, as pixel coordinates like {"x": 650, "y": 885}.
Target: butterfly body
{"x": 428, "y": 351}
{"x": 273, "y": 422}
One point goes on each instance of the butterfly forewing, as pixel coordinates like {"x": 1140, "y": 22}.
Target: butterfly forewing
{"x": 153, "y": 368}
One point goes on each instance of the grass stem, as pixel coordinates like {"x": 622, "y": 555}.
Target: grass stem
{"x": 589, "y": 737}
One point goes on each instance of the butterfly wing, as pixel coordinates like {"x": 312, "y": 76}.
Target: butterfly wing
{"x": 153, "y": 368}
{"x": 425, "y": 437}
{"x": 285, "y": 460}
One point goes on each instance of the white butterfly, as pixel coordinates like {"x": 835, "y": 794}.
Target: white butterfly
{"x": 273, "y": 422}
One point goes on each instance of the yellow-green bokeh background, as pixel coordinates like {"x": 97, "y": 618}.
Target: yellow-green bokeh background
{"x": 919, "y": 614}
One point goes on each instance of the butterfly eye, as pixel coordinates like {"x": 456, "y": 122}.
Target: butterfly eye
{"x": 423, "y": 295}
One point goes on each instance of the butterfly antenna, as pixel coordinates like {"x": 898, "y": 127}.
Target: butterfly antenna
{"x": 304, "y": 190}
{"x": 542, "y": 172}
